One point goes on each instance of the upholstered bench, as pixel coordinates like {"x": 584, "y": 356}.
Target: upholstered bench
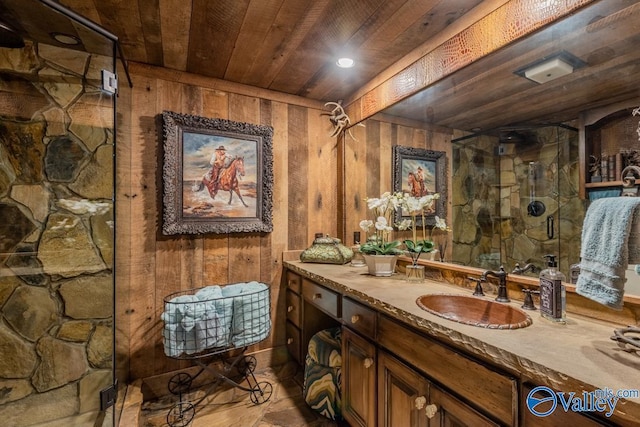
{"x": 322, "y": 373}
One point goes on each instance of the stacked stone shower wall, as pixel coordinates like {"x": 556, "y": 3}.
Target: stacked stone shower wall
{"x": 476, "y": 240}
{"x": 491, "y": 223}
{"x": 56, "y": 246}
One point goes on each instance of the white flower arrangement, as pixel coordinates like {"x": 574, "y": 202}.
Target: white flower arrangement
{"x": 385, "y": 207}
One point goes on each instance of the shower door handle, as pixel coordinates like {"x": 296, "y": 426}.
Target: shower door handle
{"x": 550, "y": 232}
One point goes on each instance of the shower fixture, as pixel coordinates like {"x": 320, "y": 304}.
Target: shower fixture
{"x": 535, "y": 207}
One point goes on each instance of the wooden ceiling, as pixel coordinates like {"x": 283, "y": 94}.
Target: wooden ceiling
{"x": 291, "y": 46}
{"x": 288, "y": 46}
{"x": 490, "y": 93}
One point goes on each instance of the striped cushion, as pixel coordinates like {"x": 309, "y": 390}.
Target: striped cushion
{"x": 325, "y": 347}
{"x": 322, "y": 380}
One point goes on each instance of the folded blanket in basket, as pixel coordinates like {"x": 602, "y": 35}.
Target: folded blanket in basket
{"x": 213, "y": 327}
{"x": 216, "y": 317}
{"x": 251, "y": 312}
{"x": 194, "y": 323}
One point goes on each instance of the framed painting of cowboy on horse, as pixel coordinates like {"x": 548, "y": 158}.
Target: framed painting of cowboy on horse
{"x": 419, "y": 172}
{"x": 217, "y": 175}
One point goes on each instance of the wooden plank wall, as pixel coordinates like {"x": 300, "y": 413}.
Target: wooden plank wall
{"x": 304, "y": 203}
{"x": 368, "y": 165}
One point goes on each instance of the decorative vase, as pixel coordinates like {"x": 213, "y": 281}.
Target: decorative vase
{"x": 414, "y": 273}
{"x": 381, "y": 265}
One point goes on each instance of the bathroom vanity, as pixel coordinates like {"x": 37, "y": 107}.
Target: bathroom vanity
{"x": 402, "y": 365}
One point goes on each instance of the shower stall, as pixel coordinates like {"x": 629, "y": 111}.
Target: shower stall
{"x": 57, "y": 190}
{"x": 516, "y": 197}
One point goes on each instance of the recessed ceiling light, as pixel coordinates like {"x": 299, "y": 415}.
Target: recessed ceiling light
{"x": 345, "y": 62}
{"x": 67, "y": 39}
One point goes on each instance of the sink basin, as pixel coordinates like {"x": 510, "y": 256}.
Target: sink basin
{"x": 474, "y": 311}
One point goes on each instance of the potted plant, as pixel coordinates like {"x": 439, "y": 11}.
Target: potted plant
{"x": 379, "y": 250}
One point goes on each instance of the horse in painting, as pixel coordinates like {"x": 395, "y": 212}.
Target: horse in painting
{"x": 227, "y": 180}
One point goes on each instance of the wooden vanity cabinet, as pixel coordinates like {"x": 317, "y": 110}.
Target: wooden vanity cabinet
{"x": 491, "y": 391}
{"x": 309, "y": 308}
{"x": 407, "y": 395}
{"x": 410, "y": 399}
{"x": 358, "y": 380}
{"x": 392, "y": 375}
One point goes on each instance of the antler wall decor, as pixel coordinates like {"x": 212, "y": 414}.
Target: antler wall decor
{"x": 339, "y": 119}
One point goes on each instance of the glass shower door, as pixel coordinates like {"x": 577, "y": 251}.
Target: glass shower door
{"x": 477, "y": 214}
{"x": 57, "y": 209}
{"x": 516, "y": 198}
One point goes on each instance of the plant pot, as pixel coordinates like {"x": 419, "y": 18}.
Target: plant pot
{"x": 381, "y": 265}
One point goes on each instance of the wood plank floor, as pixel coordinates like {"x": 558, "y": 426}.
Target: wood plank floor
{"x": 229, "y": 406}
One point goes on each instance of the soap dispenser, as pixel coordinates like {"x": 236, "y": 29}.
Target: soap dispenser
{"x": 553, "y": 297}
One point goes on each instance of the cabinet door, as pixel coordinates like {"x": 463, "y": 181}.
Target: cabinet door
{"x": 445, "y": 410}
{"x": 358, "y": 380}
{"x": 402, "y": 394}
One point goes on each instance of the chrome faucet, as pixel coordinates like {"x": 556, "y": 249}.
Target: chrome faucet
{"x": 521, "y": 270}
{"x": 502, "y": 283}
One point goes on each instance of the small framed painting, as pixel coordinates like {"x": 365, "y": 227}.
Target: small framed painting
{"x": 419, "y": 172}
{"x": 217, "y": 176}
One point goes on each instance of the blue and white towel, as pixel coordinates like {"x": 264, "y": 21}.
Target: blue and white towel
{"x": 610, "y": 242}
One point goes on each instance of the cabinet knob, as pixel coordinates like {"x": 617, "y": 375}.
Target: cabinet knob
{"x": 316, "y": 296}
{"x": 431, "y": 410}
{"x": 420, "y": 402}
{"x": 291, "y": 283}
{"x": 368, "y": 362}
{"x": 289, "y": 309}
{"x": 355, "y": 318}
{"x": 289, "y": 340}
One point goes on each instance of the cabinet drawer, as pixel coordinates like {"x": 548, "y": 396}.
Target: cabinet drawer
{"x": 492, "y": 391}
{"x": 323, "y": 298}
{"x": 294, "y": 282}
{"x": 359, "y": 317}
{"x": 294, "y": 342}
{"x": 294, "y": 314}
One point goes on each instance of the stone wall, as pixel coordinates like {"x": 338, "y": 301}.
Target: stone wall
{"x": 492, "y": 225}
{"x": 56, "y": 250}
{"x": 476, "y": 175}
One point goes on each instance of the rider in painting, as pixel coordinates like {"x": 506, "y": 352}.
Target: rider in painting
{"x": 219, "y": 160}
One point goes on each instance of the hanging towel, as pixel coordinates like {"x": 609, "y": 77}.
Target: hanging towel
{"x": 606, "y": 251}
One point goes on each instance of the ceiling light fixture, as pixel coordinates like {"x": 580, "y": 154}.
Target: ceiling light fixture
{"x": 67, "y": 39}
{"x": 551, "y": 67}
{"x": 345, "y": 62}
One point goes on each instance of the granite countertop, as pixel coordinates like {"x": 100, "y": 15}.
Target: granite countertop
{"x": 575, "y": 357}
